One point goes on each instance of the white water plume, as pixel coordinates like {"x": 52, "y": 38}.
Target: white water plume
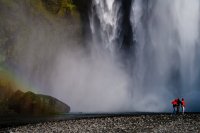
{"x": 167, "y": 36}
{"x": 108, "y": 15}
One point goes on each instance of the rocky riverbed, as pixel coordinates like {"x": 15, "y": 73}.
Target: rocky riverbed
{"x": 135, "y": 123}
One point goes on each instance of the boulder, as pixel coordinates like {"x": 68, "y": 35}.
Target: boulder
{"x": 30, "y": 103}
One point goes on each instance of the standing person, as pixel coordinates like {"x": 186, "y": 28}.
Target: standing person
{"x": 183, "y": 105}
{"x": 178, "y": 105}
{"x": 174, "y": 104}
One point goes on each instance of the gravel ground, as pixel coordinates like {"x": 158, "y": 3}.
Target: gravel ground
{"x": 139, "y": 123}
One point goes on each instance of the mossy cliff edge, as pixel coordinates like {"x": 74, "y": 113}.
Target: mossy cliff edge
{"x": 20, "y": 17}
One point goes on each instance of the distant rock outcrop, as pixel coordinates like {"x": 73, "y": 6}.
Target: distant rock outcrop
{"x": 14, "y": 101}
{"x": 35, "y": 104}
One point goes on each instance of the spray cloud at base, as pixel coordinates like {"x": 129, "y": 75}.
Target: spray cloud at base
{"x": 140, "y": 55}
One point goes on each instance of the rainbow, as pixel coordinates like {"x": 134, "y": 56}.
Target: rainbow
{"x": 10, "y": 80}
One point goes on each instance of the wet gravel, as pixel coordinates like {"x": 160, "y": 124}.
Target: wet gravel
{"x": 188, "y": 123}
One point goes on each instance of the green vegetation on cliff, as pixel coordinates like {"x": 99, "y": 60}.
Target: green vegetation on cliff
{"x": 21, "y": 19}
{"x": 60, "y": 7}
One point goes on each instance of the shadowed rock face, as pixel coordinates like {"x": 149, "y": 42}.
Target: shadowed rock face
{"x": 59, "y": 7}
{"x": 34, "y": 104}
{"x": 52, "y": 5}
{"x": 17, "y": 102}
{"x": 13, "y": 101}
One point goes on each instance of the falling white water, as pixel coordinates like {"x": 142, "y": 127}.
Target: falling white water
{"x": 107, "y": 13}
{"x": 187, "y": 19}
{"x": 166, "y": 45}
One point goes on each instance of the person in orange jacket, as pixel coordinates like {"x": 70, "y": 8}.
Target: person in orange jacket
{"x": 183, "y": 105}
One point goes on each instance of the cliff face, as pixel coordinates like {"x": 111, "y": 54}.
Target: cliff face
{"x": 30, "y": 29}
{"x": 19, "y": 19}
{"x": 32, "y": 33}
{"x": 60, "y": 7}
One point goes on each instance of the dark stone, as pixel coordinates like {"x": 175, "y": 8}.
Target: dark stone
{"x": 35, "y": 104}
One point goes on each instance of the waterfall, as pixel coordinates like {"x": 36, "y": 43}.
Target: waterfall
{"x": 167, "y": 36}
{"x": 141, "y": 53}
{"x": 164, "y": 62}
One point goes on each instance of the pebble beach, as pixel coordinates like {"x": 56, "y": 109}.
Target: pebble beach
{"x": 157, "y": 123}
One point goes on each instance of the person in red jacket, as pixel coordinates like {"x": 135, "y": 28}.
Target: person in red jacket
{"x": 174, "y": 104}
{"x": 183, "y": 105}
